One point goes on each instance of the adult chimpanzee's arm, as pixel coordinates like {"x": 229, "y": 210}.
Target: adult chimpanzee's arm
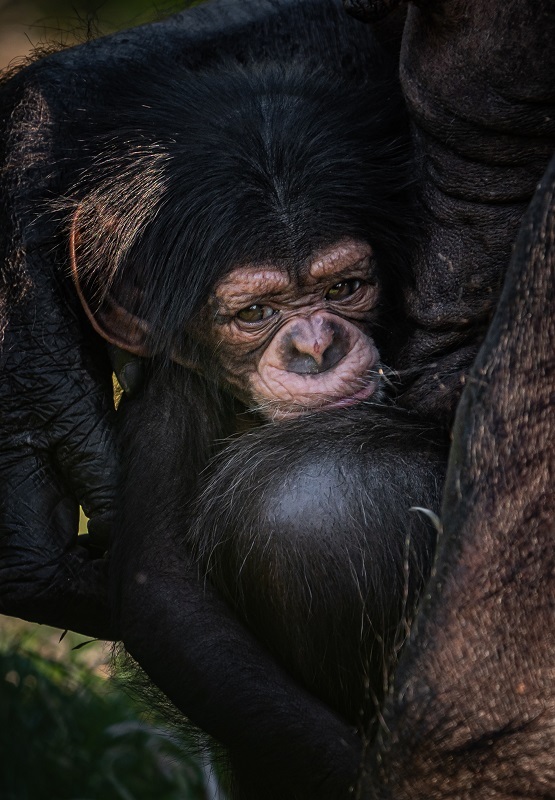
{"x": 484, "y": 131}
{"x": 473, "y": 713}
{"x": 56, "y": 442}
{"x": 56, "y": 447}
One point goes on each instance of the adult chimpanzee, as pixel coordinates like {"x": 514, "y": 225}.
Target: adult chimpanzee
{"x": 481, "y": 138}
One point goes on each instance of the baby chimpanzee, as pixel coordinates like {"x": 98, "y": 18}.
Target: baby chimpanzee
{"x": 245, "y": 230}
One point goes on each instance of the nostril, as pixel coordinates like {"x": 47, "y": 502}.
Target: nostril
{"x": 335, "y": 352}
{"x": 303, "y": 363}
{"x": 313, "y": 345}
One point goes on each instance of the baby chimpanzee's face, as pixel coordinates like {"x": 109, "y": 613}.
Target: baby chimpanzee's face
{"x": 288, "y": 344}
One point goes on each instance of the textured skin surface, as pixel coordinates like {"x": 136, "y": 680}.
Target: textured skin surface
{"x": 484, "y": 131}
{"x": 473, "y": 712}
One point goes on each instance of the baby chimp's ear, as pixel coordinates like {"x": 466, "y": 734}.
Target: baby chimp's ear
{"x": 108, "y": 317}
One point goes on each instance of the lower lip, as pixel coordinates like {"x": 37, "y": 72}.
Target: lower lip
{"x": 343, "y": 402}
{"x": 363, "y": 394}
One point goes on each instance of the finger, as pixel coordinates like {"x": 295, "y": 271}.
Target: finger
{"x": 87, "y": 456}
{"x": 45, "y": 576}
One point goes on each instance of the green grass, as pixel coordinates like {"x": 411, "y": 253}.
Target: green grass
{"x": 69, "y": 733}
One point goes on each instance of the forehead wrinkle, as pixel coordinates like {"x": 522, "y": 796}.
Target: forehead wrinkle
{"x": 339, "y": 258}
{"x": 251, "y": 282}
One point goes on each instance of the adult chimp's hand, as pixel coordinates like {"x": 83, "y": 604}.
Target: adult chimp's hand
{"x": 56, "y": 450}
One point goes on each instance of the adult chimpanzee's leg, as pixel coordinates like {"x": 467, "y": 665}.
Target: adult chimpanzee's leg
{"x": 483, "y": 133}
{"x": 309, "y": 530}
{"x": 473, "y": 714}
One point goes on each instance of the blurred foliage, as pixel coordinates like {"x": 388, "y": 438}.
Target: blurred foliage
{"x": 26, "y": 24}
{"x": 108, "y": 14}
{"x": 68, "y": 733}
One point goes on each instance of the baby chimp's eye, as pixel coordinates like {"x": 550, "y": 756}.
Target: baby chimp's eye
{"x": 256, "y": 313}
{"x": 343, "y": 289}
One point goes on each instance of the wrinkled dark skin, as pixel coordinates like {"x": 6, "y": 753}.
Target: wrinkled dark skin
{"x": 472, "y": 712}
{"x": 56, "y": 438}
{"x": 482, "y": 108}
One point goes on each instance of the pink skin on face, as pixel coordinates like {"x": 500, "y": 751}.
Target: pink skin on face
{"x": 300, "y": 343}
{"x": 350, "y": 379}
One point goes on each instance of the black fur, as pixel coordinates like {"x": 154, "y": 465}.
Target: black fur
{"x": 311, "y": 532}
{"x": 312, "y": 557}
{"x": 238, "y": 165}
{"x": 307, "y": 531}
{"x": 224, "y": 167}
